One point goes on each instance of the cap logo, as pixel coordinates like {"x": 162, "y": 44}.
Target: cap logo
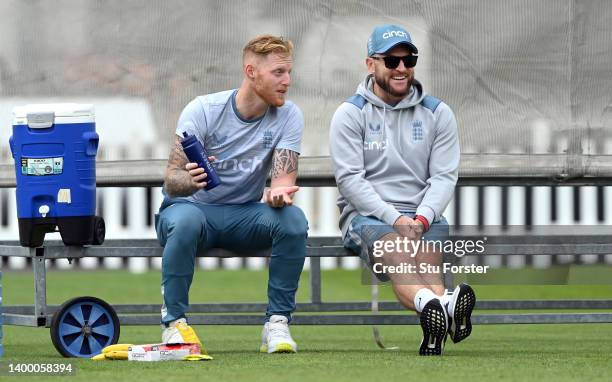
{"x": 390, "y": 34}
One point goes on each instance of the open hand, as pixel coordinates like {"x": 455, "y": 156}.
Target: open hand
{"x": 281, "y": 196}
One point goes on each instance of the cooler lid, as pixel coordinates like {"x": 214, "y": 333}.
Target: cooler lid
{"x": 40, "y": 115}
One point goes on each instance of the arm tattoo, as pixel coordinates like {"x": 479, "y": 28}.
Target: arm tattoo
{"x": 284, "y": 161}
{"x": 177, "y": 181}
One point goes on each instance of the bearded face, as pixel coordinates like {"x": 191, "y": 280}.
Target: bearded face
{"x": 272, "y": 78}
{"x": 391, "y": 85}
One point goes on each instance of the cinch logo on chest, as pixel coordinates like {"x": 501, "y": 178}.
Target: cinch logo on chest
{"x": 417, "y": 130}
{"x": 374, "y": 128}
{"x": 246, "y": 165}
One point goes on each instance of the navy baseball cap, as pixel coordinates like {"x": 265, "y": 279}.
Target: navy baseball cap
{"x": 387, "y": 37}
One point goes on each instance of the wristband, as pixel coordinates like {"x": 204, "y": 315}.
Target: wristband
{"x": 423, "y": 220}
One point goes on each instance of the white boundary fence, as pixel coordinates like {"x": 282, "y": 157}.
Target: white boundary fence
{"x": 128, "y": 211}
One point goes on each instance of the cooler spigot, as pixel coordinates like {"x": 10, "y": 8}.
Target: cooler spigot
{"x": 43, "y": 210}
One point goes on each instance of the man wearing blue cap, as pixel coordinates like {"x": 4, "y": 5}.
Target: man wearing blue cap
{"x": 396, "y": 156}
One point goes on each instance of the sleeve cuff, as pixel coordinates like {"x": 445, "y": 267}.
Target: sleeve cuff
{"x": 390, "y": 215}
{"x": 427, "y": 212}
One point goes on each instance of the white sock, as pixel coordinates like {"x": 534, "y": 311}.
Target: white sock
{"x": 422, "y": 297}
{"x": 446, "y": 296}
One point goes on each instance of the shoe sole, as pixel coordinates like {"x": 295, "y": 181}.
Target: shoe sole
{"x": 434, "y": 325}
{"x": 280, "y": 348}
{"x": 461, "y": 324}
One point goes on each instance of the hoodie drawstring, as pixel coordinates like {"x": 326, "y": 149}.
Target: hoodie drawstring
{"x": 384, "y": 123}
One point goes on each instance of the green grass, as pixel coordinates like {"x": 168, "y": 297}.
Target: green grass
{"x": 570, "y": 274}
{"x": 339, "y": 353}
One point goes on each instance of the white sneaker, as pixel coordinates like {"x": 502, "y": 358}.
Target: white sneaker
{"x": 459, "y": 308}
{"x": 276, "y": 338}
{"x": 434, "y": 323}
{"x": 178, "y": 332}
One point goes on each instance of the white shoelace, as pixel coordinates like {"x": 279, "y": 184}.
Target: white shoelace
{"x": 277, "y": 329}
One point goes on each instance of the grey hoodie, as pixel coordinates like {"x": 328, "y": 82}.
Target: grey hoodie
{"x": 391, "y": 159}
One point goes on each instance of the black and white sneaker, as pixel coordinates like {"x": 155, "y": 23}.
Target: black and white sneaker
{"x": 460, "y": 309}
{"x": 434, "y": 322}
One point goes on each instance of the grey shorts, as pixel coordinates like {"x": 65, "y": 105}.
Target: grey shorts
{"x": 365, "y": 230}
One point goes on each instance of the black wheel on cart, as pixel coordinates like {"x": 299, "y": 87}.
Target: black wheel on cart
{"x": 99, "y": 231}
{"x": 83, "y": 326}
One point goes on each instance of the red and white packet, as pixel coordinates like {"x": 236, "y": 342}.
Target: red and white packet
{"x": 162, "y": 352}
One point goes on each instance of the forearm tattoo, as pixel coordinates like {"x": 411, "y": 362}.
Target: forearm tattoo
{"x": 284, "y": 161}
{"x": 178, "y": 181}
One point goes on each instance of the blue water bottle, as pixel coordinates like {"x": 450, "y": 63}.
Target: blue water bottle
{"x": 196, "y": 154}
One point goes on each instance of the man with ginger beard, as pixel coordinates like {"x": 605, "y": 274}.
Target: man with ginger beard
{"x": 395, "y": 152}
{"x": 249, "y": 132}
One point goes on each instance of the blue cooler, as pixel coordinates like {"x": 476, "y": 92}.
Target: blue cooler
{"x": 54, "y": 147}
